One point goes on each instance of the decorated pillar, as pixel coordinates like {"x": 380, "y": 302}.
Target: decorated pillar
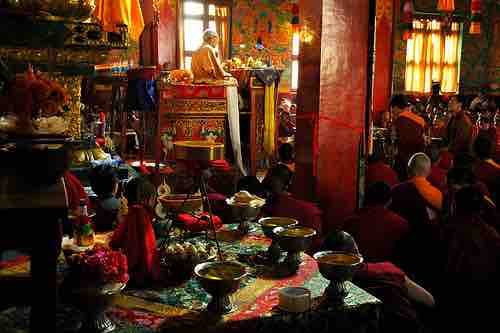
{"x": 332, "y": 104}
{"x": 383, "y": 58}
{"x": 494, "y": 56}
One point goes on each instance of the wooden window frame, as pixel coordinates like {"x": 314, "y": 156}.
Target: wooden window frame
{"x": 206, "y": 17}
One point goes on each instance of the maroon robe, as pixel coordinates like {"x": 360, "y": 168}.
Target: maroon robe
{"x": 488, "y": 172}
{"x": 470, "y": 271}
{"x": 387, "y": 282}
{"x": 438, "y": 178}
{"x": 380, "y": 172}
{"x": 410, "y": 129}
{"x": 377, "y": 232}
{"x": 307, "y": 213}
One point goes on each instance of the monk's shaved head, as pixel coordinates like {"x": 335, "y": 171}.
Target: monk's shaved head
{"x": 419, "y": 165}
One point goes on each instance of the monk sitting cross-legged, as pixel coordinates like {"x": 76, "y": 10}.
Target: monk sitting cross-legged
{"x": 377, "y": 229}
{"x": 418, "y": 202}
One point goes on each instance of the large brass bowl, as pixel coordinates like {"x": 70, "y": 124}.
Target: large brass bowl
{"x": 220, "y": 279}
{"x": 294, "y": 239}
{"x": 338, "y": 267}
{"x": 269, "y": 223}
{"x": 198, "y": 150}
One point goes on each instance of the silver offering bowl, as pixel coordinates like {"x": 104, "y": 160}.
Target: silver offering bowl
{"x": 294, "y": 240}
{"x": 338, "y": 267}
{"x": 220, "y": 279}
{"x": 268, "y": 224}
{"x": 245, "y": 214}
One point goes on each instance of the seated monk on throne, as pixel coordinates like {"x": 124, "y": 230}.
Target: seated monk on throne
{"x": 205, "y": 64}
{"x": 207, "y": 69}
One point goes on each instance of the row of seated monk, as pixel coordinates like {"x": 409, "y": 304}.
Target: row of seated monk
{"x": 430, "y": 242}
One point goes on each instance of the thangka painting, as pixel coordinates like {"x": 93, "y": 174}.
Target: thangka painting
{"x": 269, "y": 20}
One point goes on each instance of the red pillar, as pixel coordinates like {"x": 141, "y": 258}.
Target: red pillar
{"x": 332, "y": 104}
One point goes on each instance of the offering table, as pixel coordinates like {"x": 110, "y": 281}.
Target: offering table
{"x": 182, "y": 308}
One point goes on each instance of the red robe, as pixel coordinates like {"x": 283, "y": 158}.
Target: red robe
{"x": 387, "y": 282}
{"x": 380, "y": 172}
{"x": 377, "y": 232}
{"x": 470, "y": 271}
{"x": 74, "y": 191}
{"x": 307, "y": 213}
{"x": 488, "y": 172}
{"x": 135, "y": 236}
{"x": 410, "y": 129}
{"x": 438, "y": 178}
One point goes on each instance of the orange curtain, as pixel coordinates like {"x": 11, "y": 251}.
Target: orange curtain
{"x": 446, "y": 5}
{"x": 222, "y": 26}
{"x": 113, "y": 12}
{"x": 432, "y": 56}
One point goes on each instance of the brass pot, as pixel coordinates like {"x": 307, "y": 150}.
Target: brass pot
{"x": 72, "y": 9}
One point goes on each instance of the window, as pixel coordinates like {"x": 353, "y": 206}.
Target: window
{"x": 198, "y": 15}
{"x": 295, "y": 60}
{"x": 433, "y": 55}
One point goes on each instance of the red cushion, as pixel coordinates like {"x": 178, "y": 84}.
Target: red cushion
{"x": 196, "y": 223}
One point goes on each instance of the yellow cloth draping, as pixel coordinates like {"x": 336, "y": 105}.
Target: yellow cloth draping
{"x": 432, "y": 56}
{"x": 113, "y": 12}
{"x": 269, "y": 119}
{"x": 205, "y": 64}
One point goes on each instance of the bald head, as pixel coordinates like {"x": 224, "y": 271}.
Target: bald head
{"x": 211, "y": 37}
{"x": 419, "y": 165}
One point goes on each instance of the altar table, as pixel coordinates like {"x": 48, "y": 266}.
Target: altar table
{"x": 182, "y": 308}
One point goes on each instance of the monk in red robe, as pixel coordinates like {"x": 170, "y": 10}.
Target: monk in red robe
{"x": 135, "y": 235}
{"x": 471, "y": 264}
{"x": 486, "y": 169}
{"x": 460, "y": 128}
{"x": 410, "y": 130}
{"x": 419, "y": 203}
{"x": 441, "y": 163}
{"x": 378, "y": 171}
{"x": 377, "y": 230}
{"x": 398, "y": 292}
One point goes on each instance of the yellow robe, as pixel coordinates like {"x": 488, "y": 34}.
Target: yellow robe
{"x": 113, "y": 12}
{"x": 205, "y": 64}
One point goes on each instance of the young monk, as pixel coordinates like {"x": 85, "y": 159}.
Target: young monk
{"x": 135, "y": 235}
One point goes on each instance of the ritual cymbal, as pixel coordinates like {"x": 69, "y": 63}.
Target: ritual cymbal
{"x": 198, "y": 150}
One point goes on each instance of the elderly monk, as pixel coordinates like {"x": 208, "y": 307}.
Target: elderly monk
{"x": 417, "y": 199}
{"x": 410, "y": 130}
{"x": 418, "y": 202}
{"x": 205, "y": 63}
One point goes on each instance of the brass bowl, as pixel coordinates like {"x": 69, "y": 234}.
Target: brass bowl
{"x": 269, "y": 223}
{"x": 294, "y": 239}
{"x": 178, "y": 202}
{"x": 73, "y": 9}
{"x": 220, "y": 279}
{"x": 198, "y": 150}
{"x": 338, "y": 267}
